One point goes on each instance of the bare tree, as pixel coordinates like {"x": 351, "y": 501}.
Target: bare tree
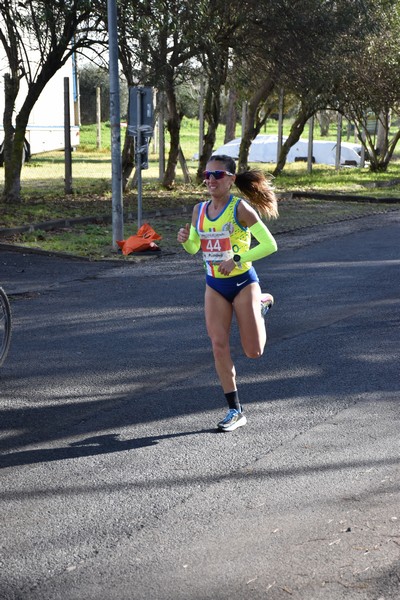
{"x": 38, "y": 37}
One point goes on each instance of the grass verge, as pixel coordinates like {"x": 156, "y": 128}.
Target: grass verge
{"x": 94, "y": 240}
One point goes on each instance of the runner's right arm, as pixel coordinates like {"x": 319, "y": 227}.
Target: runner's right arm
{"x": 192, "y": 242}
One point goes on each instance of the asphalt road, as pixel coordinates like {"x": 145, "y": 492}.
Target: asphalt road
{"x": 114, "y": 482}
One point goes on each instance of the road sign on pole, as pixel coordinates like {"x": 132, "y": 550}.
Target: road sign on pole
{"x": 140, "y": 112}
{"x": 140, "y": 126}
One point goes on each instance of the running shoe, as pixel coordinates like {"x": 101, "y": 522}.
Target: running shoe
{"x": 267, "y": 302}
{"x": 232, "y": 420}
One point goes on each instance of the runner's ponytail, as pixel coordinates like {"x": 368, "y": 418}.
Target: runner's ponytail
{"x": 256, "y": 188}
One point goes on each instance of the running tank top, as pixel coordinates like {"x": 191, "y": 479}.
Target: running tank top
{"x": 222, "y": 237}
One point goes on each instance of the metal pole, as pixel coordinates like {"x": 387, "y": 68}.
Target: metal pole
{"x": 310, "y": 144}
{"x": 363, "y": 138}
{"x": 116, "y": 165}
{"x": 201, "y": 118}
{"x": 244, "y": 116}
{"x": 67, "y": 140}
{"x": 338, "y": 141}
{"x": 98, "y": 118}
{"x": 139, "y": 156}
{"x": 280, "y": 125}
{"x": 161, "y": 143}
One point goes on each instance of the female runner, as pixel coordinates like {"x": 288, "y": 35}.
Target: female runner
{"x": 222, "y": 228}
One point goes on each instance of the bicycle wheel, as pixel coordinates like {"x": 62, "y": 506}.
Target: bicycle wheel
{"x": 5, "y": 325}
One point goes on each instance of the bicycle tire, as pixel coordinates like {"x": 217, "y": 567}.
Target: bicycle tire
{"x": 5, "y": 325}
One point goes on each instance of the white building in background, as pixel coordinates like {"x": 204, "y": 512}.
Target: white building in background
{"x": 45, "y": 131}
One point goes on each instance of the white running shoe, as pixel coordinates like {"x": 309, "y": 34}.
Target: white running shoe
{"x": 232, "y": 420}
{"x": 267, "y": 302}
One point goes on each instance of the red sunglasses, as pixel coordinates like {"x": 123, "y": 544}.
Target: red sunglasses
{"x": 216, "y": 174}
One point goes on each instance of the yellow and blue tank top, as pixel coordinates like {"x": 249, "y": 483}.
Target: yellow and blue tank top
{"x": 222, "y": 237}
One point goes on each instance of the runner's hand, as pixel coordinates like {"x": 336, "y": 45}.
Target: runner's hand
{"x": 183, "y": 234}
{"x": 227, "y": 266}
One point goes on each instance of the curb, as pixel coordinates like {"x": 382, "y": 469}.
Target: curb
{"x": 133, "y": 258}
{"x": 321, "y": 196}
{"x": 48, "y": 225}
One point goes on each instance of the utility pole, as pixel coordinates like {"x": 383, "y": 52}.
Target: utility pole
{"x": 201, "y": 118}
{"x": 338, "y": 141}
{"x": 310, "y": 144}
{"x": 280, "y": 124}
{"x": 115, "y": 123}
{"x": 161, "y": 135}
{"x": 67, "y": 139}
{"x": 138, "y": 147}
{"x": 98, "y": 118}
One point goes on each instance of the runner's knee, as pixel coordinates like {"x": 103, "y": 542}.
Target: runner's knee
{"x": 219, "y": 346}
{"x": 253, "y": 352}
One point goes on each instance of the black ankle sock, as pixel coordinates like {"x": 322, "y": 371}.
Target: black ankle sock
{"x": 232, "y": 399}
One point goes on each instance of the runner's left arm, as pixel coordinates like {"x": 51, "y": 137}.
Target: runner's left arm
{"x": 266, "y": 243}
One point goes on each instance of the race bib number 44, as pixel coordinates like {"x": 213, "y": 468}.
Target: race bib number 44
{"x": 216, "y": 246}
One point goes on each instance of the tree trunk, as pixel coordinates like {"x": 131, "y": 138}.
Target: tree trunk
{"x": 379, "y": 163}
{"x": 212, "y": 111}
{"x": 382, "y": 134}
{"x": 14, "y": 145}
{"x": 296, "y": 130}
{"x": 379, "y": 157}
{"x": 184, "y": 167}
{"x": 217, "y": 72}
{"x": 12, "y": 163}
{"x": 173, "y": 126}
{"x": 13, "y": 166}
{"x": 324, "y": 122}
{"x": 128, "y": 159}
{"x": 253, "y": 120}
{"x": 231, "y": 117}
{"x": 12, "y": 170}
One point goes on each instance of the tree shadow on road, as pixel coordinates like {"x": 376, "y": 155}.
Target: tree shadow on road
{"x": 91, "y": 446}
